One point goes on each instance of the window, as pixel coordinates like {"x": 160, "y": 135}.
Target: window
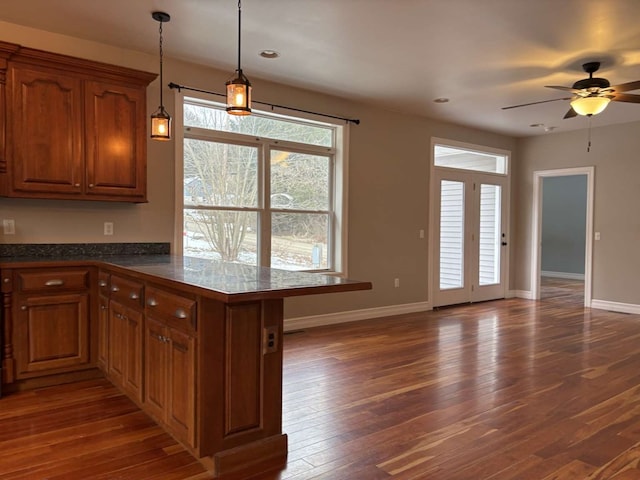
{"x": 264, "y": 189}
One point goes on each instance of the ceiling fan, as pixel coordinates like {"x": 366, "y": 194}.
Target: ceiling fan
{"x": 591, "y": 95}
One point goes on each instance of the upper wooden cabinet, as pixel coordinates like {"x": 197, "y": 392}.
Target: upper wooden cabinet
{"x": 75, "y": 129}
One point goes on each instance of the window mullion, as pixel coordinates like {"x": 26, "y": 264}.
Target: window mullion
{"x": 265, "y": 206}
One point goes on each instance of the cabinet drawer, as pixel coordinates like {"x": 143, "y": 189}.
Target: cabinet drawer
{"x": 104, "y": 283}
{"x": 52, "y": 280}
{"x": 176, "y": 310}
{"x": 126, "y": 291}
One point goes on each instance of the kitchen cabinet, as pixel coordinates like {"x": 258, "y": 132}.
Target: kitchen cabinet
{"x": 197, "y": 344}
{"x": 75, "y": 129}
{"x": 51, "y": 321}
{"x": 125, "y": 335}
{"x": 170, "y": 362}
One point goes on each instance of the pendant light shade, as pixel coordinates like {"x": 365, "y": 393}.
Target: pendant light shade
{"x": 589, "y": 105}
{"x": 239, "y": 87}
{"x": 161, "y": 120}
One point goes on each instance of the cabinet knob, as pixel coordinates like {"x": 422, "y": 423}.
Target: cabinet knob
{"x": 77, "y": 185}
{"x": 91, "y": 185}
{"x": 134, "y": 296}
{"x": 6, "y": 280}
{"x": 152, "y": 302}
{"x": 102, "y": 283}
{"x": 103, "y": 307}
{"x": 180, "y": 313}
{"x": 115, "y": 288}
{"x": 23, "y": 307}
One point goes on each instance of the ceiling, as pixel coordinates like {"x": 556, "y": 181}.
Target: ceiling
{"x": 399, "y": 54}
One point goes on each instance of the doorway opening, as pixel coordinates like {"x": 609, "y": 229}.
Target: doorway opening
{"x": 562, "y": 235}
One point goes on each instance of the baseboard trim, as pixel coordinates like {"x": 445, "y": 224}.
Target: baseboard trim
{"x": 567, "y": 275}
{"x": 299, "y": 323}
{"x": 526, "y": 294}
{"x": 615, "y": 306}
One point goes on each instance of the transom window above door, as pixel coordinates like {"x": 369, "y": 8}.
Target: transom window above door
{"x": 465, "y": 159}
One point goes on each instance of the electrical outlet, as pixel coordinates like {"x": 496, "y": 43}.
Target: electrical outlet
{"x": 108, "y": 228}
{"x": 9, "y": 226}
{"x": 396, "y": 283}
{"x": 270, "y": 339}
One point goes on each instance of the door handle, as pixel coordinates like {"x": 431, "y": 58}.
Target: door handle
{"x": 504, "y": 244}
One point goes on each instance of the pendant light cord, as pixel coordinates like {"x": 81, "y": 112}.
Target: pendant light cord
{"x": 161, "y": 81}
{"x": 239, "y": 32}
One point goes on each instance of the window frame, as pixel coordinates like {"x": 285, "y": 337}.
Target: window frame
{"x": 338, "y": 164}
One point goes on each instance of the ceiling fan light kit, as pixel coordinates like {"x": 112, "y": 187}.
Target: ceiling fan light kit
{"x": 589, "y": 105}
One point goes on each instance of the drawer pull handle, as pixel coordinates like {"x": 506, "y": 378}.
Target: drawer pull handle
{"x": 152, "y": 302}
{"x": 6, "y": 280}
{"x": 103, "y": 307}
{"x": 102, "y": 283}
{"x": 134, "y": 296}
{"x": 115, "y": 288}
{"x": 23, "y": 307}
{"x": 180, "y": 313}
{"x": 54, "y": 283}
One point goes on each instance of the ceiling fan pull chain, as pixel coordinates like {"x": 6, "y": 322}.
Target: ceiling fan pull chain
{"x": 589, "y": 136}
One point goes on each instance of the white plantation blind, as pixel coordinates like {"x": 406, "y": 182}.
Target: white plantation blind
{"x": 451, "y": 234}
{"x": 489, "y": 271}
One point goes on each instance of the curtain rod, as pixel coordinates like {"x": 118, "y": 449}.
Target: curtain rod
{"x": 272, "y": 105}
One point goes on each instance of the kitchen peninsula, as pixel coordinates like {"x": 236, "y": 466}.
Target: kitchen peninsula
{"x": 197, "y": 344}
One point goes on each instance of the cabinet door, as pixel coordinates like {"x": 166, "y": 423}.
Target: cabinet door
{"x": 117, "y": 343}
{"x": 182, "y": 381}
{"x": 156, "y": 375}
{"x": 133, "y": 354}
{"x": 125, "y": 348}
{"x": 115, "y": 128}
{"x": 103, "y": 333}
{"x": 45, "y": 131}
{"x": 52, "y": 334}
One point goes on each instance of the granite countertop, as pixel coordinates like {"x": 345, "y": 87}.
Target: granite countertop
{"x": 229, "y": 280}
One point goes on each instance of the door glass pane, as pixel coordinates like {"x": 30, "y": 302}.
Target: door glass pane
{"x": 451, "y": 234}
{"x": 490, "y": 234}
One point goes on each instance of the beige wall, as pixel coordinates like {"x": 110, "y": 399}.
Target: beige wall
{"x": 615, "y": 155}
{"x": 388, "y": 183}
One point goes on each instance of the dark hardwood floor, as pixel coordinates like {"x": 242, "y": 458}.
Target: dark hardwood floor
{"x": 565, "y": 290}
{"x": 511, "y": 389}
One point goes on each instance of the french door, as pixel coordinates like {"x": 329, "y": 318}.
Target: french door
{"x": 470, "y": 236}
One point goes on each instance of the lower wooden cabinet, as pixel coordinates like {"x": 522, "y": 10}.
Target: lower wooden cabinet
{"x": 170, "y": 382}
{"x": 125, "y": 348}
{"x": 50, "y": 321}
{"x": 52, "y": 334}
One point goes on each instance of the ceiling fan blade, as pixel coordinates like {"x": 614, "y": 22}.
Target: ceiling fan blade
{"x": 564, "y": 89}
{"x": 625, "y": 97}
{"x": 626, "y": 87}
{"x": 570, "y": 114}
{"x": 535, "y": 103}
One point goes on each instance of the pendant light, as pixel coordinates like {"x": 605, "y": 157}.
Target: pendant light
{"x": 161, "y": 120}
{"x": 239, "y": 87}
